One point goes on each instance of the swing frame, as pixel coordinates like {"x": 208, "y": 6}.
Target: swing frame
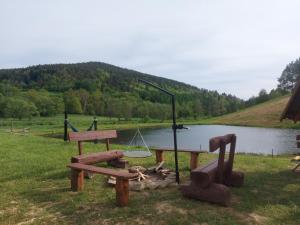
{"x": 138, "y": 153}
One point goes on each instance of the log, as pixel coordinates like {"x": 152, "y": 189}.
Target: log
{"x": 216, "y": 142}
{"x": 118, "y": 163}
{"x": 159, "y": 156}
{"x": 235, "y": 179}
{"x": 77, "y": 180}
{"x": 92, "y": 158}
{"x": 215, "y": 193}
{"x": 122, "y": 191}
{"x": 159, "y": 166}
{"x": 204, "y": 176}
{"x": 194, "y": 160}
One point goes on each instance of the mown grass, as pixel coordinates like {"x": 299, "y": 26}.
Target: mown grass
{"x": 266, "y": 114}
{"x": 35, "y": 189}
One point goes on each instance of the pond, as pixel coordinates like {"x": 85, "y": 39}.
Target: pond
{"x": 249, "y": 139}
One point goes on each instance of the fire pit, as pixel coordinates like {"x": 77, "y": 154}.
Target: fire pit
{"x": 149, "y": 178}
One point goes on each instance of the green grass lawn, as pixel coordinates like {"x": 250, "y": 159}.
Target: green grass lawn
{"x": 35, "y": 188}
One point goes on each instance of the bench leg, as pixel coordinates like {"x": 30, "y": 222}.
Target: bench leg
{"x": 122, "y": 191}
{"x": 194, "y": 160}
{"x": 77, "y": 180}
{"x": 159, "y": 156}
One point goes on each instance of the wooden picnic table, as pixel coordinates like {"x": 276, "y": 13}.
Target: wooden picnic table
{"x": 193, "y": 160}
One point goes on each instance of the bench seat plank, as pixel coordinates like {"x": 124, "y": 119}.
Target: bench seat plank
{"x": 92, "y": 158}
{"x": 101, "y": 170}
{"x": 179, "y": 150}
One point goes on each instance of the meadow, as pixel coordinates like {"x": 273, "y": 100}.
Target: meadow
{"x": 35, "y": 185}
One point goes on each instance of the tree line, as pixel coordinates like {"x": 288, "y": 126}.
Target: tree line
{"x": 97, "y": 88}
{"x": 102, "y": 89}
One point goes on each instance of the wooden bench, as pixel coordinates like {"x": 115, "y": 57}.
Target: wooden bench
{"x": 193, "y": 160}
{"x": 122, "y": 179}
{"x": 105, "y": 135}
{"x": 209, "y": 183}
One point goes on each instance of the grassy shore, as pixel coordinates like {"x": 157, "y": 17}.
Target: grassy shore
{"x": 266, "y": 114}
{"x": 35, "y": 186}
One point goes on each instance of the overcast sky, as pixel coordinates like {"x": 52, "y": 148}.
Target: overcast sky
{"x": 236, "y": 47}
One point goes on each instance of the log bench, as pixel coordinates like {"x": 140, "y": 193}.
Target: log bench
{"x": 105, "y": 135}
{"x": 193, "y": 159}
{"x": 210, "y": 182}
{"x": 122, "y": 179}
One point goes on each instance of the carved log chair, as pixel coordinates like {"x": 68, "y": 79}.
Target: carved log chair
{"x": 209, "y": 182}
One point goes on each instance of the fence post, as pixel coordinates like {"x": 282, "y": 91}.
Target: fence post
{"x": 66, "y": 127}
{"x": 95, "y": 123}
{"x": 95, "y": 127}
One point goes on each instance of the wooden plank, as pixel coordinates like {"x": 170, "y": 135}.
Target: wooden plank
{"x": 298, "y": 137}
{"x": 92, "y": 158}
{"x": 204, "y": 176}
{"x": 194, "y": 160}
{"x": 216, "y": 142}
{"x": 122, "y": 191}
{"x": 178, "y": 150}
{"x": 159, "y": 156}
{"x": 77, "y": 180}
{"x": 101, "y": 170}
{"x": 92, "y": 135}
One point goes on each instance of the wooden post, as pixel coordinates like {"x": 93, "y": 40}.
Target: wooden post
{"x": 220, "y": 170}
{"x": 80, "y": 147}
{"x": 76, "y": 180}
{"x": 107, "y": 144}
{"x": 194, "y": 160}
{"x": 122, "y": 191}
{"x": 66, "y": 127}
{"x": 159, "y": 156}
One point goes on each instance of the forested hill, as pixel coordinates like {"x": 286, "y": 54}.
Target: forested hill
{"x": 102, "y": 89}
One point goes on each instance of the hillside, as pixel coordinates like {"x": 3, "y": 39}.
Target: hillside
{"x": 266, "y": 114}
{"x": 97, "y": 88}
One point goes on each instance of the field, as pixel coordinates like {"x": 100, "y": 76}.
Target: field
{"x": 35, "y": 185}
{"x": 266, "y": 114}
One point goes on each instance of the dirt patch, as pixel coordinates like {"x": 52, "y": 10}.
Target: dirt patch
{"x": 165, "y": 207}
{"x": 258, "y": 218}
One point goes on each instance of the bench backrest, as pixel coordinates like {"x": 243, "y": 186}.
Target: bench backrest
{"x": 220, "y": 143}
{"x": 91, "y": 136}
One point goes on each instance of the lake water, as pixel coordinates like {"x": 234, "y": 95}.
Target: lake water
{"x": 249, "y": 139}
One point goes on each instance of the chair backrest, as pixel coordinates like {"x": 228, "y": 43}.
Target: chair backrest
{"x": 91, "y": 136}
{"x": 220, "y": 143}
{"x": 298, "y": 141}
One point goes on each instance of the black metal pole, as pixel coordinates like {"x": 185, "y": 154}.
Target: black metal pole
{"x": 95, "y": 123}
{"x": 175, "y": 138}
{"x": 66, "y": 127}
{"x": 174, "y": 127}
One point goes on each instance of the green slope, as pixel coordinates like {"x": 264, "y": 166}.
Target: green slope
{"x": 266, "y": 114}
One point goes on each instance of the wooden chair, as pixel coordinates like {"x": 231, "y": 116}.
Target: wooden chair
{"x": 209, "y": 182}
